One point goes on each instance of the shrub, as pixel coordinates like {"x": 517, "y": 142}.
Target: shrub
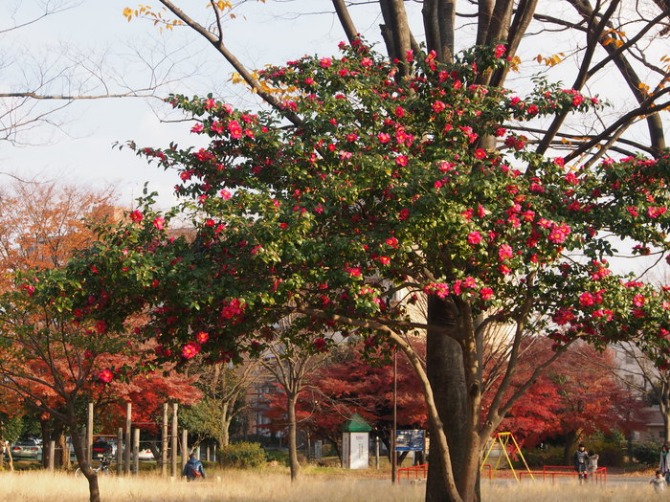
{"x": 647, "y": 453}
{"x": 243, "y": 455}
{"x": 279, "y": 456}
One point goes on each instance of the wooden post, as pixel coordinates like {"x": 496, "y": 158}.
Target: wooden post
{"x": 89, "y": 434}
{"x": 52, "y": 455}
{"x": 129, "y": 422}
{"x": 164, "y": 441}
{"x": 119, "y": 451}
{"x": 184, "y": 447}
{"x": 175, "y": 440}
{"x": 136, "y": 451}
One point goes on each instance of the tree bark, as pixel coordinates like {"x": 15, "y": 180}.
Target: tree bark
{"x": 90, "y": 475}
{"x": 446, "y": 373}
{"x": 294, "y": 465}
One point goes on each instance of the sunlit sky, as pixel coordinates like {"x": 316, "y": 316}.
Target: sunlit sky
{"x": 80, "y": 151}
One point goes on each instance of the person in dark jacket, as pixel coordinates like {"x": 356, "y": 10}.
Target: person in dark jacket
{"x": 581, "y": 462}
{"x": 193, "y": 469}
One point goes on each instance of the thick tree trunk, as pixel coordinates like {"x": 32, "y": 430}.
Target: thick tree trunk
{"x": 446, "y": 373}
{"x": 292, "y": 437}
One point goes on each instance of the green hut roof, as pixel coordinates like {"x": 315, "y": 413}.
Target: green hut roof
{"x": 356, "y": 424}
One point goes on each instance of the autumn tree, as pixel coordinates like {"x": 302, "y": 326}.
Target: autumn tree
{"x": 41, "y": 226}
{"x": 574, "y": 398}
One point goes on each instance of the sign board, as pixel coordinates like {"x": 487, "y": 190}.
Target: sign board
{"x": 410, "y": 440}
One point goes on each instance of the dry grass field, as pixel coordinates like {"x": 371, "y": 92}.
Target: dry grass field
{"x": 273, "y": 486}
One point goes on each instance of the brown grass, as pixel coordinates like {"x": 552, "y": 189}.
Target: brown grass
{"x": 275, "y": 485}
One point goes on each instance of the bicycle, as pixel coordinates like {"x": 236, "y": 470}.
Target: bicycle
{"x": 103, "y": 468}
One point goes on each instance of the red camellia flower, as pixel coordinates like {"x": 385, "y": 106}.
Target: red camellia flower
{"x": 438, "y": 106}
{"x": 159, "y": 223}
{"x": 474, "y": 238}
{"x": 190, "y": 350}
{"x": 136, "y": 216}
{"x": 202, "y": 336}
{"x": 500, "y": 51}
{"x": 392, "y": 241}
{"x": 403, "y": 214}
{"x": 105, "y": 376}
{"x": 353, "y": 271}
{"x": 234, "y": 308}
{"x": 486, "y": 294}
{"x": 235, "y": 129}
{"x": 655, "y": 212}
{"x": 586, "y": 299}
{"x": 504, "y": 252}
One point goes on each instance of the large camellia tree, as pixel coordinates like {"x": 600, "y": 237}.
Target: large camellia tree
{"x": 387, "y": 183}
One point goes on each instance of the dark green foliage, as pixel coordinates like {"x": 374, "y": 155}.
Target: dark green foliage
{"x": 647, "y": 453}
{"x": 243, "y": 455}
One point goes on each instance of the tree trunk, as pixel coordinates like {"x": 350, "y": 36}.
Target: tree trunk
{"x": 446, "y": 373}
{"x": 292, "y": 436}
{"x": 90, "y": 475}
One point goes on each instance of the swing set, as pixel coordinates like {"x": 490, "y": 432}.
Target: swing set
{"x": 505, "y": 444}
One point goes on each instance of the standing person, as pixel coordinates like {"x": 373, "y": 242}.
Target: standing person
{"x": 193, "y": 469}
{"x": 664, "y": 462}
{"x": 581, "y": 462}
{"x": 658, "y": 481}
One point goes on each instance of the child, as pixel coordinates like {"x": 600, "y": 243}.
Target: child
{"x": 658, "y": 481}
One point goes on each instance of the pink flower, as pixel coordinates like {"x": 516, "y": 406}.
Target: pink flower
{"x": 197, "y": 128}
{"x": 559, "y": 233}
{"x": 136, "y": 216}
{"x": 438, "y": 106}
{"x": 500, "y": 51}
{"x": 401, "y": 160}
{"x": 504, "y": 252}
{"x": 190, "y": 350}
{"x": 235, "y": 129}
{"x": 366, "y": 62}
{"x": 383, "y": 137}
{"x": 638, "y": 300}
{"x": 480, "y": 153}
{"x": 474, "y": 238}
{"x": 202, "y": 336}
{"x": 655, "y": 212}
{"x": 105, "y": 376}
{"x": 325, "y": 62}
{"x": 159, "y": 223}
{"x": 437, "y": 288}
